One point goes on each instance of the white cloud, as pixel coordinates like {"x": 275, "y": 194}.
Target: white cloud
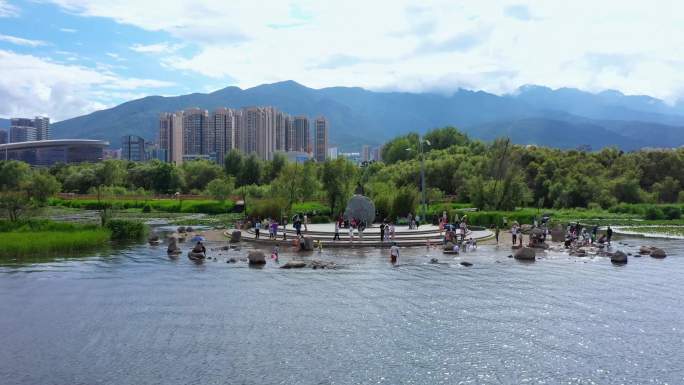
{"x": 158, "y": 48}
{"x": 8, "y": 10}
{"x": 68, "y": 30}
{"x": 115, "y": 56}
{"x": 41, "y": 86}
{"x": 495, "y": 45}
{"x": 20, "y": 41}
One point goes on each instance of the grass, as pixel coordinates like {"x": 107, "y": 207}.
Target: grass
{"x": 207, "y": 206}
{"x": 18, "y": 244}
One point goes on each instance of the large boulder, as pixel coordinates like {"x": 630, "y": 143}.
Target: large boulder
{"x": 618, "y": 257}
{"x": 658, "y": 253}
{"x": 557, "y": 234}
{"x": 306, "y": 244}
{"x": 449, "y": 246}
{"x": 235, "y": 236}
{"x": 294, "y": 265}
{"x": 256, "y": 257}
{"x": 525, "y": 254}
{"x": 644, "y": 250}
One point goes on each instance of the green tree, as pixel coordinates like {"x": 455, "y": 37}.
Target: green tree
{"x": 667, "y": 190}
{"x": 252, "y": 169}
{"x": 276, "y": 165}
{"x": 232, "y": 163}
{"x": 446, "y": 137}
{"x": 12, "y": 174}
{"x": 339, "y": 178}
{"x": 41, "y": 186}
{"x": 221, "y": 188}
{"x": 198, "y": 173}
{"x": 405, "y": 201}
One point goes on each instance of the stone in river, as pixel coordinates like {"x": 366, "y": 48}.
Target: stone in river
{"x": 658, "y": 253}
{"x": 466, "y": 264}
{"x": 618, "y": 257}
{"x": 525, "y": 254}
{"x": 256, "y": 258}
{"x": 294, "y": 265}
{"x": 235, "y": 236}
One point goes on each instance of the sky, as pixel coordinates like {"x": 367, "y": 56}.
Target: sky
{"x": 65, "y": 58}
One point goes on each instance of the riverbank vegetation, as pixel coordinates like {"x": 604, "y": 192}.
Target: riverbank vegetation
{"x": 43, "y": 238}
{"x": 499, "y": 179}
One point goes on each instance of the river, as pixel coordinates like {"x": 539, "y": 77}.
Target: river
{"x": 134, "y": 316}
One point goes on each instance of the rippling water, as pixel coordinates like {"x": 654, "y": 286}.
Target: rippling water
{"x": 136, "y": 317}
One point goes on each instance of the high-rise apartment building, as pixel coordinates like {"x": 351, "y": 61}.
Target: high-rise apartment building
{"x": 332, "y": 153}
{"x": 365, "y": 153}
{"x": 302, "y": 134}
{"x": 22, "y": 130}
{"x": 133, "y": 148}
{"x": 42, "y": 125}
{"x": 196, "y": 137}
{"x": 4, "y": 137}
{"x": 28, "y": 130}
{"x": 171, "y": 137}
{"x": 258, "y": 130}
{"x": 321, "y": 148}
{"x": 223, "y": 127}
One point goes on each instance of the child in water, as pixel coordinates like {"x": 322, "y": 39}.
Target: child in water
{"x": 274, "y": 254}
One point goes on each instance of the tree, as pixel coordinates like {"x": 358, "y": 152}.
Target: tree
{"x": 446, "y": 137}
{"x": 42, "y": 186}
{"x": 276, "y": 165}
{"x": 12, "y": 174}
{"x": 221, "y": 188}
{"x": 288, "y": 184}
{"x": 198, "y": 173}
{"x": 232, "y": 163}
{"x": 667, "y": 190}
{"x": 13, "y": 203}
{"x": 405, "y": 201}
{"x": 339, "y": 178}
{"x": 251, "y": 171}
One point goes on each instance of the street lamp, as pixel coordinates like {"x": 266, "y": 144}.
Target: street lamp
{"x": 422, "y": 174}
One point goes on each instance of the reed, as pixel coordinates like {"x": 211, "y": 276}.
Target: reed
{"x": 16, "y": 244}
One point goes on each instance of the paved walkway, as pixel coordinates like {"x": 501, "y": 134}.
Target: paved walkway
{"x": 371, "y": 236}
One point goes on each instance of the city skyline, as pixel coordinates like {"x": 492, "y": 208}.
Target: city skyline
{"x": 195, "y": 133}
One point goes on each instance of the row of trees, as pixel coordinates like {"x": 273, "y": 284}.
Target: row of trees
{"x": 497, "y": 175}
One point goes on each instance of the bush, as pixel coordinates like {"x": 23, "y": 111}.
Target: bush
{"x": 653, "y": 212}
{"x": 126, "y": 230}
{"x": 147, "y": 208}
{"x": 267, "y": 208}
{"x": 311, "y": 208}
{"x": 405, "y": 202}
{"x": 672, "y": 212}
{"x": 320, "y": 219}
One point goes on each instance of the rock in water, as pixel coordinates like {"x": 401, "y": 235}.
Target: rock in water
{"x": 525, "y": 254}
{"x": 434, "y": 260}
{"x": 306, "y": 244}
{"x": 181, "y": 229}
{"x": 256, "y": 257}
{"x": 235, "y": 236}
{"x": 449, "y": 246}
{"x": 644, "y": 250}
{"x": 466, "y": 264}
{"x": 618, "y": 257}
{"x": 173, "y": 247}
{"x": 658, "y": 253}
{"x": 294, "y": 265}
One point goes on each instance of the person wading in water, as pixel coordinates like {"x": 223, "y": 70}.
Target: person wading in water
{"x": 394, "y": 253}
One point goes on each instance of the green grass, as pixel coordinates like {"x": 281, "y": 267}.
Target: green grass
{"x": 164, "y": 205}
{"x": 17, "y": 244}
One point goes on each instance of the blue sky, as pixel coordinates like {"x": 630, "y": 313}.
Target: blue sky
{"x": 65, "y": 58}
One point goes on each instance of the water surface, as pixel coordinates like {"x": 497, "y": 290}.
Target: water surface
{"x": 134, "y": 316}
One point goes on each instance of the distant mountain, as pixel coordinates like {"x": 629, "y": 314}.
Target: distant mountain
{"x": 562, "y": 118}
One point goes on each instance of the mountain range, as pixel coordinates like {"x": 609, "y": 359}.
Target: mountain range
{"x": 563, "y": 118}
